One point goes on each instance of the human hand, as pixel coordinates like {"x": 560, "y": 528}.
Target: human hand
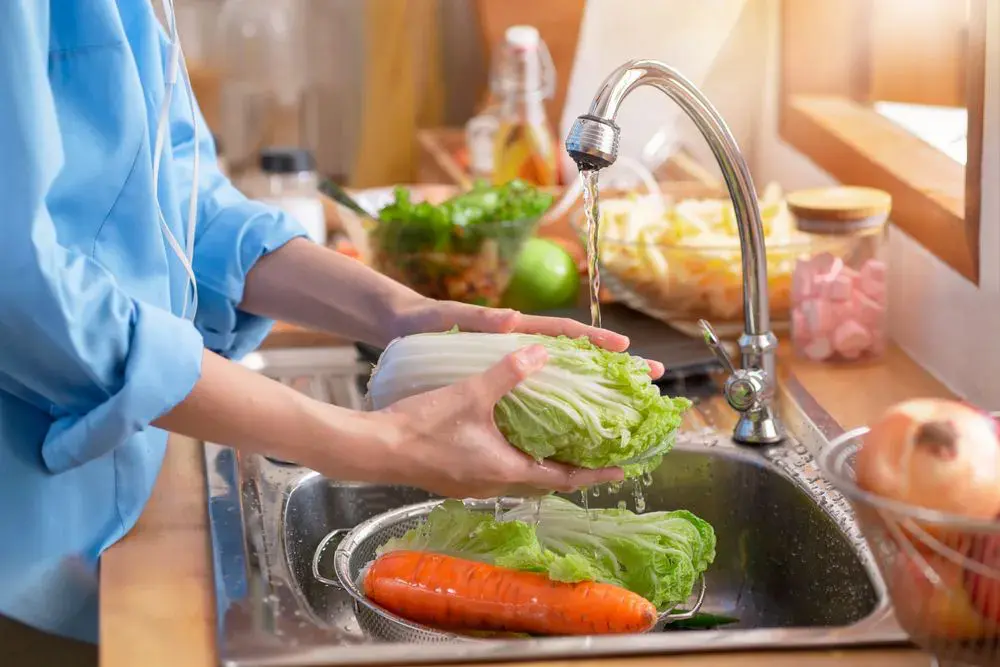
{"x": 446, "y": 441}
{"x": 432, "y": 315}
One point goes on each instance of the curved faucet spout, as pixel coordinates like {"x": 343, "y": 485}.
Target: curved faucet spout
{"x": 593, "y": 144}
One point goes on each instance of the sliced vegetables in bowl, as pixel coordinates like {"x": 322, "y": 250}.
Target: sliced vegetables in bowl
{"x": 680, "y": 261}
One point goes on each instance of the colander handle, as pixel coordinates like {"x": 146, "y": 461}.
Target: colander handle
{"x": 671, "y": 616}
{"x": 339, "y": 535}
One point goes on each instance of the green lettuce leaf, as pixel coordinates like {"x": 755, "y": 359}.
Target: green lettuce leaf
{"x": 658, "y": 555}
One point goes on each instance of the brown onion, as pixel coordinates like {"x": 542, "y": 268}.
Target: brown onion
{"x": 933, "y": 453}
{"x": 938, "y": 608}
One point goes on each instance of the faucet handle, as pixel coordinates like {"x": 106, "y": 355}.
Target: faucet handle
{"x": 714, "y": 344}
{"x": 744, "y": 389}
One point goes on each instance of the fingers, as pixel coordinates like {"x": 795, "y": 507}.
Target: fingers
{"x": 559, "y": 326}
{"x": 560, "y": 477}
{"x": 501, "y": 320}
{"x": 656, "y": 369}
{"x": 498, "y": 380}
{"x": 476, "y": 318}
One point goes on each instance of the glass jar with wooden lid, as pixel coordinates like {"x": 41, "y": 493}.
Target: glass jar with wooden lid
{"x": 839, "y": 290}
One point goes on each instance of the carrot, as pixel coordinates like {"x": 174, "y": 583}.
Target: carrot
{"x": 447, "y": 592}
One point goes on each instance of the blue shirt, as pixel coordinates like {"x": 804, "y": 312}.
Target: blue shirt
{"x": 92, "y": 345}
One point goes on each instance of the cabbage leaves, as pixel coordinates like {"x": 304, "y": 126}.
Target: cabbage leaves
{"x": 658, "y": 555}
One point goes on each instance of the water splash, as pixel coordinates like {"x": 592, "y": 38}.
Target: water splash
{"x": 586, "y": 507}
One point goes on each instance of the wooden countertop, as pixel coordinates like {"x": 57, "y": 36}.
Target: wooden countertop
{"x": 157, "y": 587}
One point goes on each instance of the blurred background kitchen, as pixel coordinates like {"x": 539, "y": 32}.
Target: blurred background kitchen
{"x": 899, "y": 96}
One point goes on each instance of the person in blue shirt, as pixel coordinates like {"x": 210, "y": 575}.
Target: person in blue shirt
{"x": 121, "y": 315}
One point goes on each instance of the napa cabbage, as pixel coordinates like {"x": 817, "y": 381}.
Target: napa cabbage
{"x": 587, "y": 407}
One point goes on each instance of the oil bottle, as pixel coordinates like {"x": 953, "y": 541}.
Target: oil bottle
{"x": 524, "y": 144}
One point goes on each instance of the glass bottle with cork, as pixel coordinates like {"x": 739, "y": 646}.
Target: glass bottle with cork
{"x": 288, "y": 180}
{"x": 839, "y": 290}
{"x": 524, "y": 144}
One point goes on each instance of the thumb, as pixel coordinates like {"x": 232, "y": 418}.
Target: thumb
{"x": 502, "y": 377}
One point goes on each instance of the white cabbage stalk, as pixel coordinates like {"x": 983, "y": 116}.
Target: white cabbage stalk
{"x": 587, "y": 406}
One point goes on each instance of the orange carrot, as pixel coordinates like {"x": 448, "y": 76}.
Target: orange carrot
{"x": 446, "y": 592}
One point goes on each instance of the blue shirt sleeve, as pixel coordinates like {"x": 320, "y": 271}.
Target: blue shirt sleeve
{"x": 71, "y": 341}
{"x": 232, "y": 233}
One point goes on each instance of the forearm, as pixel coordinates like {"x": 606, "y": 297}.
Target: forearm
{"x": 232, "y": 405}
{"x": 307, "y": 284}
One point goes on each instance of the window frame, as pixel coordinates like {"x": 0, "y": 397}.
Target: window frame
{"x": 823, "y": 113}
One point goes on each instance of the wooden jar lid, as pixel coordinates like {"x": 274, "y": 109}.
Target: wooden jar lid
{"x": 839, "y": 209}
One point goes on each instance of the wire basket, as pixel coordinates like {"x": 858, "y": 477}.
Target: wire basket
{"x": 357, "y": 548}
{"x": 942, "y": 571}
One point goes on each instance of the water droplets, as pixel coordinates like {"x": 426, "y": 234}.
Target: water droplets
{"x": 638, "y": 498}
{"x": 586, "y": 507}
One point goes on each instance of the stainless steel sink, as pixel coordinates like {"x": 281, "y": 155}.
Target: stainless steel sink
{"x": 791, "y": 564}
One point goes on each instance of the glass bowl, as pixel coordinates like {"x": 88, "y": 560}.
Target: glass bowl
{"x": 680, "y": 281}
{"x": 472, "y": 264}
{"x": 942, "y": 571}
{"x": 468, "y": 264}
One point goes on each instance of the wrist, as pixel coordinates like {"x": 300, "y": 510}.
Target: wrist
{"x": 351, "y": 445}
{"x": 408, "y": 315}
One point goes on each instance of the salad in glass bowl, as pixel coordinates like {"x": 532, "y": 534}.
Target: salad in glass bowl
{"x": 461, "y": 248}
{"x": 680, "y": 261}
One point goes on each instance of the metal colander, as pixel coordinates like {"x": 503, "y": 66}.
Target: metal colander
{"x": 358, "y": 548}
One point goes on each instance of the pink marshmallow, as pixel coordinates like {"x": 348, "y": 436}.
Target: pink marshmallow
{"x": 818, "y": 350}
{"x": 870, "y": 312}
{"x": 826, "y": 264}
{"x": 838, "y": 311}
{"x": 818, "y": 317}
{"x": 843, "y": 311}
{"x": 802, "y": 281}
{"x": 800, "y": 328}
{"x": 873, "y": 290}
{"x": 872, "y": 280}
{"x": 874, "y": 270}
{"x": 851, "y": 339}
{"x": 840, "y": 288}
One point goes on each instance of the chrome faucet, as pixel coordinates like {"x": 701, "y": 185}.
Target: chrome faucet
{"x": 593, "y": 144}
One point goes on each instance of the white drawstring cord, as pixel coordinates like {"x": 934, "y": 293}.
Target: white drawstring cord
{"x": 175, "y": 62}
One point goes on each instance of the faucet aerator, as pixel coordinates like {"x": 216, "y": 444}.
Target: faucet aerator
{"x": 593, "y": 143}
